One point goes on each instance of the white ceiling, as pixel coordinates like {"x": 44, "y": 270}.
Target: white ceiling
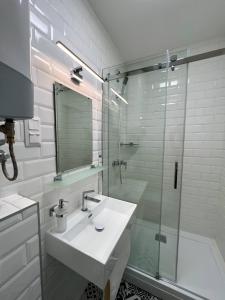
{"x": 143, "y": 27}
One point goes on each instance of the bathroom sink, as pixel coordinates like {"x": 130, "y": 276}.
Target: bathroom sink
{"x": 93, "y": 253}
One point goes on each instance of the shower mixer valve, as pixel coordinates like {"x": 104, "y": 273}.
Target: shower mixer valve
{"x": 116, "y": 163}
{"x": 119, "y": 163}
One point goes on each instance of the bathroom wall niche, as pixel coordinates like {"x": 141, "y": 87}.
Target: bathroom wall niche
{"x": 73, "y": 129}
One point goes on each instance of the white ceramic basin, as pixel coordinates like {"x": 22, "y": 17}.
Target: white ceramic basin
{"x": 88, "y": 252}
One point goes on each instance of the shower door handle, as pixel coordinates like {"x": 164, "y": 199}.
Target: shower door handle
{"x": 175, "y": 175}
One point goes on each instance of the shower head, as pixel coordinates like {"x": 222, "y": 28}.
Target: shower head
{"x": 173, "y": 59}
{"x": 125, "y": 80}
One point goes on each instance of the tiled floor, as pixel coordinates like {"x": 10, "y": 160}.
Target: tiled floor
{"x": 126, "y": 291}
{"x": 132, "y": 292}
{"x": 92, "y": 292}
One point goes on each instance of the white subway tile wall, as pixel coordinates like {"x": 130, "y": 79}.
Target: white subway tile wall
{"x": 19, "y": 256}
{"x": 203, "y": 197}
{"x": 74, "y": 23}
{"x": 145, "y": 117}
{"x": 221, "y": 213}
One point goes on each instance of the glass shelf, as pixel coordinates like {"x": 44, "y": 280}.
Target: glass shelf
{"x": 68, "y": 179}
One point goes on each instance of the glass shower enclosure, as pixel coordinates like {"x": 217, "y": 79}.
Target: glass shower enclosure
{"x": 143, "y": 134}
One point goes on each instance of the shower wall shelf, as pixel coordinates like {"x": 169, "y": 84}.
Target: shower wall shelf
{"x": 78, "y": 175}
{"x": 131, "y": 144}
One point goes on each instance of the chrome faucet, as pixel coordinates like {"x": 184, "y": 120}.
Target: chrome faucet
{"x": 86, "y": 197}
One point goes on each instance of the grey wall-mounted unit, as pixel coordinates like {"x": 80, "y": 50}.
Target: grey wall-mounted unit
{"x": 16, "y": 88}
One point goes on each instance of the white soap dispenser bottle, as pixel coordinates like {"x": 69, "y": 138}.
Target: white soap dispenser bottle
{"x": 61, "y": 216}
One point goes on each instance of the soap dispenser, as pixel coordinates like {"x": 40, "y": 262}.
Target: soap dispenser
{"x": 61, "y": 216}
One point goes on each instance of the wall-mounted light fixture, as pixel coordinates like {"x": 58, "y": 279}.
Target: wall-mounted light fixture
{"x": 75, "y": 75}
{"x": 78, "y": 60}
{"x": 119, "y": 96}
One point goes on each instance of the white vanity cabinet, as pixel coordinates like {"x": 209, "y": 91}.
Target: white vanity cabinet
{"x": 100, "y": 257}
{"x": 121, "y": 253}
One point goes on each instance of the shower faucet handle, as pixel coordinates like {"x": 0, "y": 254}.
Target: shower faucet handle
{"x": 116, "y": 163}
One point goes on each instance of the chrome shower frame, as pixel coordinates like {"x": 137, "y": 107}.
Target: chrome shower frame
{"x": 172, "y": 63}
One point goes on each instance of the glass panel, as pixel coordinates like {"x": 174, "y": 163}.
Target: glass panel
{"x": 173, "y": 161}
{"x": 134, "y": 151}
{"x": 202, "y": 236}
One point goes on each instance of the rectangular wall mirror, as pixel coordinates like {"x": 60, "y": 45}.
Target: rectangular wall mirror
{"x": 73, "y": 128}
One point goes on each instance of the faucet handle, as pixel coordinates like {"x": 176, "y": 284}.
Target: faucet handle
{"x": 87, "y": 192}
{"x": 61, "y": 202}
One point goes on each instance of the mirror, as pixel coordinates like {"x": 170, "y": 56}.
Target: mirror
{"x": 73, "y": 128}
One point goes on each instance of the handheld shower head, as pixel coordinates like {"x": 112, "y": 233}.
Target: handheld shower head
{"x": 125, "y": 80}
{"x": 173, "y": 59}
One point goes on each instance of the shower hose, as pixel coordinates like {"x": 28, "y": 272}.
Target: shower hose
{"x": 14, "y": 163}
{"x": 9, "y": 130}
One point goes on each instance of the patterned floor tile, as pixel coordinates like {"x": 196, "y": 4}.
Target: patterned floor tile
{"x": 127, "y": 291}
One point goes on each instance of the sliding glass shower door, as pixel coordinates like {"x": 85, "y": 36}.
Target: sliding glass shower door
{"x": 136, "y": 111}
{"x": 172, "y": 170}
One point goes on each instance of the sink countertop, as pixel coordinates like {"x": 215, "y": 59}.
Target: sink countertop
{"x": 112, "y": 213}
